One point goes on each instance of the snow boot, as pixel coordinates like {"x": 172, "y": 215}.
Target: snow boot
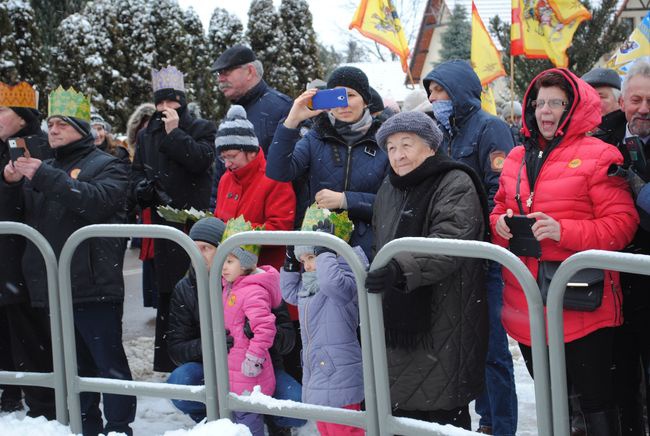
{"x": 605, "y": 423}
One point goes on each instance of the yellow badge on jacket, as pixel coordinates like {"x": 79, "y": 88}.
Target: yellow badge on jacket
{"x": 232, "y": 299}
{"x": 75, "y": 173}
{"x": 497, "y": 158}
{"x": 575, "y": 163}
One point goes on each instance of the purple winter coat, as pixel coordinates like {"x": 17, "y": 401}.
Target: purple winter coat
{"x": 331, "y": 353}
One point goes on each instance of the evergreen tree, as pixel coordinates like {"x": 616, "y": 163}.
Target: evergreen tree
{"x": 300, "y": 42}
{"x": 21, "y": 55}
{"x": 354, "y": 52}
{"x": 592, "y": 40}
{"x": 329, "y": 59}
{"x": 456, "y": 40}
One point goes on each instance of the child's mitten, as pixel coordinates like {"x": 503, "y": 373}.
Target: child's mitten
{"x": 252, "y": 366}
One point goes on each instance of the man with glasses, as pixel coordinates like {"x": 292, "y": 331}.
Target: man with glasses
{"x": 482, "y": 141}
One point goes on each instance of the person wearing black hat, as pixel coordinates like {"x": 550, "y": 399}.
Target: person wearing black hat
{"x": 607, "y": 83}
{"x": 172, "y": 165}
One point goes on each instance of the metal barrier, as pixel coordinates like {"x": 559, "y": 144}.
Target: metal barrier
{"x": 613, "y": 261}
{"x": 55, "y": 379}
{"x": 367, "y": 419}
{"x": 389, "y": 424}
{"x": 77, "y": 384}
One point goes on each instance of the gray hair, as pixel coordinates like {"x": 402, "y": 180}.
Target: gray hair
{"x": 617, "y": 93}
{"x": 259, "y": 68}
{"x": 639, "y": 68}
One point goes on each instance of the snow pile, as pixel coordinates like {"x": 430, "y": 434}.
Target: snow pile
{"x": 222, "y": 427}
{"x": 13, "y": 424}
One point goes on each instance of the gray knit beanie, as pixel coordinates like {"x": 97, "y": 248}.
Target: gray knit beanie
{"x": 247, "y": 259}
{"x": 236, "y": 132}
{"x": 299, "y": 250}
{"x": 209, "y": 229}
{"x": 413, "y": 122}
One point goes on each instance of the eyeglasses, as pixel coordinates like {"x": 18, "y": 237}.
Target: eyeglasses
{"x": 230, "y": 158}
{"x": 554, "y": 103}
{"x": 227, "y": 71}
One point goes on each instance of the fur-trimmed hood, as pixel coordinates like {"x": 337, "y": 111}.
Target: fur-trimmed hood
{"x": 144, "y": 110}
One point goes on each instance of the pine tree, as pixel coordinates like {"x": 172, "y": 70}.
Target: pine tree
{"x": 592, "y": 40}
{"x": 50, "y": 13}
{"x": 329, "y": 59}
{"x": 300, "y": 42}
{"x": 21, "y": 55}
{"x": 457, "y": 38}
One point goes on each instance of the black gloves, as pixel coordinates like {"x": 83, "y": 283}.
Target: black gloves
{"x": 230, "y": 341}
{"x": 324, "y": 226}
{"x": 144, "y": 193}
{"x": 384, "y": 278}
{"x": 291, "y": 264}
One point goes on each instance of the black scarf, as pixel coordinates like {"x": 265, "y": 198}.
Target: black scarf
{"x": 407, "y": 315}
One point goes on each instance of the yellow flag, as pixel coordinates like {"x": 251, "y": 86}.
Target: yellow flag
{"x": 544, "y": 28}
{"x": 378, "y": 20}
{"x": 636, "y": 46}
{"x": 487, "y": 100}
{"x": 486, "y": 59}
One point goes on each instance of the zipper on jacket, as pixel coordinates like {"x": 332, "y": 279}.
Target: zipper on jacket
{"x": 307, "y": 350}
{"x": 347, "y": 169}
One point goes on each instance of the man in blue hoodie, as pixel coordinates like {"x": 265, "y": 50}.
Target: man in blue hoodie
{"x": 482, "y": 141}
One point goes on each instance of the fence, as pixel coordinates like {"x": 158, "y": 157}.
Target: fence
{"x": 624, "y": 262}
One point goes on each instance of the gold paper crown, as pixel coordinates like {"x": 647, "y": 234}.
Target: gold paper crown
{"x": 343, "y": 227}
{"x": 68, "y": 103}
{"x": 238, "y": 225}
{"x": 19, "y": 95}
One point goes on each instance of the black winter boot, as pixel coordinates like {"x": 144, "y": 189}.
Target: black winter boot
{"x": 605, "y": 423}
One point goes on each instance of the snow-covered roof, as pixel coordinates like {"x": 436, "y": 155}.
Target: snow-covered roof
{"x": 386, "y": 77}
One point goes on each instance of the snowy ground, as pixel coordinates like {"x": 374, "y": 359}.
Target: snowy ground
{"x": 158, "y": 416}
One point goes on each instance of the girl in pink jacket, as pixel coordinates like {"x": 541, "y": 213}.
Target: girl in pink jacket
{"x": 249, "y": 293}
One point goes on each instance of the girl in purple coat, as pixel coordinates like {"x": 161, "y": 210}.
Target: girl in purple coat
{"x": 249, "y": 293}
{"x": 326, "y": 296}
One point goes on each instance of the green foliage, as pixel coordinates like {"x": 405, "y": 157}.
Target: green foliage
{"x": 456, "y": 41}
{"x": 329, "y": 59}
{"x": 593, "y": 39}
{"x": 50, "y": 13}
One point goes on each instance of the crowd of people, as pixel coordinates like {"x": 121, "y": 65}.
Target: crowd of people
{"x": 565, "y": 170}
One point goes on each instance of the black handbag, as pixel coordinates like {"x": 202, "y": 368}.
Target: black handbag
{"x": 584, "y": 292}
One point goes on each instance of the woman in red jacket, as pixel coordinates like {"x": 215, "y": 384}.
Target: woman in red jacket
{"x": 559, "y": 178}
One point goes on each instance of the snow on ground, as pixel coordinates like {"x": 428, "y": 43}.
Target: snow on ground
{"x": 157, "y": 416}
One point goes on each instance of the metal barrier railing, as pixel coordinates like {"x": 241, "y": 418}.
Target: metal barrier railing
{"x": 77, "y": 384}
{"x": 389, "y": 424}
{"x": 608, "y": 260}
{"x": 367, "y": 419}
{"x": 55, "y": 379}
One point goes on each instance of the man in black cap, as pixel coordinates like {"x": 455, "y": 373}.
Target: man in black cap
{"x": 608, "y": 85}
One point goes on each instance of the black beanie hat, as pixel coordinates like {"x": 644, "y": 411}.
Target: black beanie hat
{"x": 351, "y": 77}
{"x": 376, "y": 102}
{"x": 81, "y": 126}
{"x": 26, "y": 113}
{"x": 209, "y": 229}
{"x": 169, "y": 94}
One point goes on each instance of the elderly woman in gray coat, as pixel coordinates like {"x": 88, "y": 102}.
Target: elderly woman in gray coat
{"x": 435, "y": 308}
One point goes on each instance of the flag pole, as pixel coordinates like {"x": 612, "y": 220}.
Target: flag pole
{"x": 512, "y": 89}
{"x": 408, "y": 70}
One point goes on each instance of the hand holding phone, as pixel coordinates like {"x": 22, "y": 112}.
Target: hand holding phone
{"x": 17, "y": 148}
{"x": 330, "y": 98}
{"x": 523, "y": 241}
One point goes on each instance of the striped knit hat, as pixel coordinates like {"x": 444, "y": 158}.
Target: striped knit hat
{"x": 236, "y": 132}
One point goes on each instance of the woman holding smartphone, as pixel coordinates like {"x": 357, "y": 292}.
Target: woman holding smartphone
{"x": 339, "y": 155}
{"x": 558, "y": 178}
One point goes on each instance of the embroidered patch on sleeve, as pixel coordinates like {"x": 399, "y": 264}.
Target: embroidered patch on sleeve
{"x": 497, "y": 158}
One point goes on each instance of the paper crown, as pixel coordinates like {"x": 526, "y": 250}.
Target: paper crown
{"x": 343, "y": 227}
{"x": 168, "y": 77}
{"x": 19, "y": 95}
{"x": 68, "y": 103}
{"x": 238, "y": 225}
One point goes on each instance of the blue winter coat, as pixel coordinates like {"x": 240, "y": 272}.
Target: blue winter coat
{"x": 478, "y": 139}
{"x": 643, "y": 206}
{"x": 330, "y": 163}
{"x": 332, "y": 373}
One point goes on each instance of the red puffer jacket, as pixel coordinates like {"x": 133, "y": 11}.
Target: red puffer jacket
{"x": 595, "y": 211}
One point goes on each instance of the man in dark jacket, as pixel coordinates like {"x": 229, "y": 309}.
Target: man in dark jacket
{"x": 80, "y": 186}
{"x": 435, "y": 309}
{"x": 482, "y": 141}
{"x": 172, "y": 166}
{"x": 608, "y": 85}
{"x": 19, "y": 118}
{"x": 240, "y": 77}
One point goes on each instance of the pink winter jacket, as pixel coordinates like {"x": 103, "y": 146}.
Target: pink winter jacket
{"x": 251, "y": 297}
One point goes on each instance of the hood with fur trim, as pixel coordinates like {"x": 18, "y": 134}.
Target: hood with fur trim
{"x": 142, "y": 111}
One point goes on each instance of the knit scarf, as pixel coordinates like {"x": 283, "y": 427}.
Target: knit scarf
{"x": 407, "y": 314}
{"x": 309, "y": 284}
{"x": 352, "y": 132}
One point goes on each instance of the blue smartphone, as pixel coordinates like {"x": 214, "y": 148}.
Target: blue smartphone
{"x": 330, "y": 98}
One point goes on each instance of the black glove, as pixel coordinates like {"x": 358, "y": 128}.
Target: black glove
{"x": 325, "y": 226}
{"x": 291, "y": 264}
{"x": 247, "y": 329}
{"x": 230, "y": 341}
{"x": 144, "y": 193}
{"x": 386, "y": 277}
{"x": 161, "y": 197}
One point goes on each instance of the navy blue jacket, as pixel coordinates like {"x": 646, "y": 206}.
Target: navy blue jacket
{"x": 478, "y": 139}
{"x": 329, "y": 163}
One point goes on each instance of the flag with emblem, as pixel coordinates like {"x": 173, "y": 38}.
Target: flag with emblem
{"x": 543, "y": 29}
{"x": 379, "y": 21}
{"x": 636, "y": 46}
{"x": 486, "y": 61}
